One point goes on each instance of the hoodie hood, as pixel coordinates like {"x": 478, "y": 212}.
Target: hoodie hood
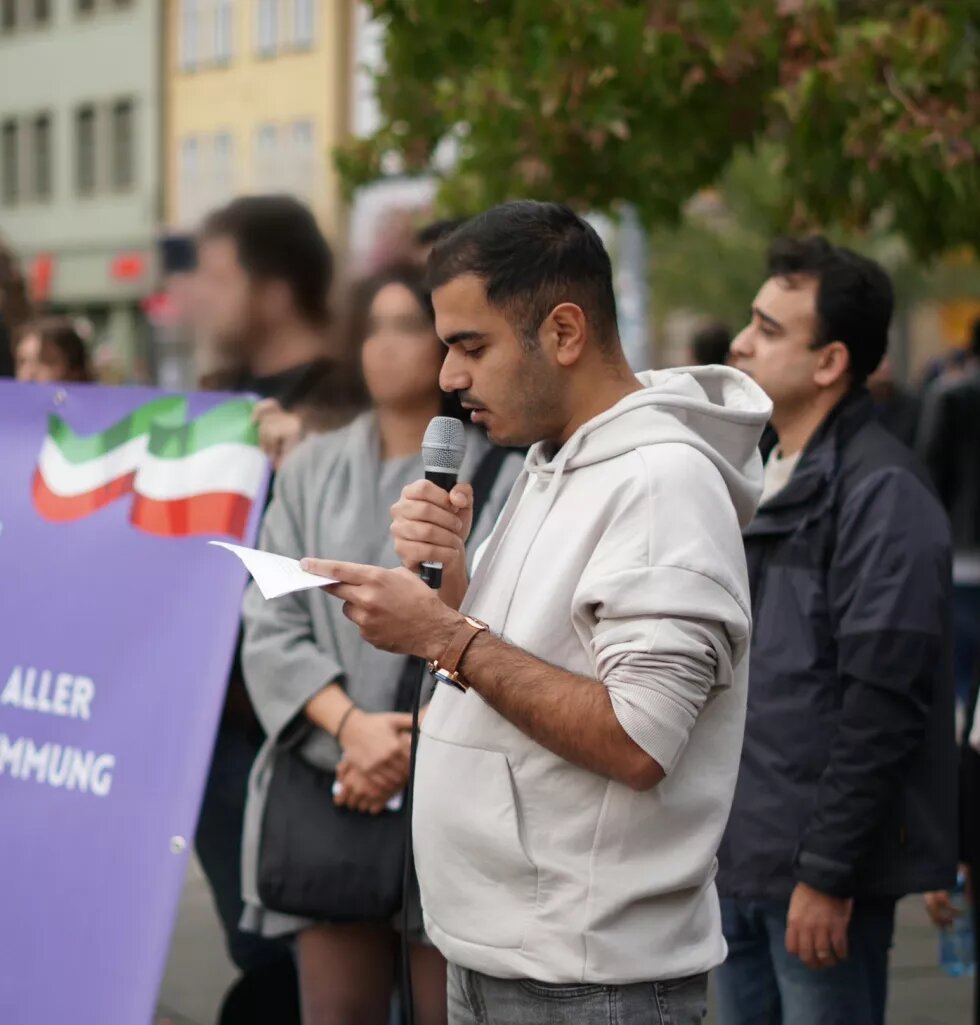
{"x": 717, "y": 410}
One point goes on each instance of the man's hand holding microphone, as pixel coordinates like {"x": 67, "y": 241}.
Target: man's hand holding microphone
{"x": 430, "y": 525}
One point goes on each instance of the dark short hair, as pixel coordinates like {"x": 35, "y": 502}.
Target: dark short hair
{"x": 436, "y": 231}
{"x": 711, "y": 343}
{"x": 277, "y": 239}
{"x": 59, "y": 333}
{"x": 413, "y": 278}
{"x": 855, "y": 297}
{"x": 532, "y": 256}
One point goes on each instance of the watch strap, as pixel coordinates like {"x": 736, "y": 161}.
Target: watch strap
{"x": 467, "y": 632}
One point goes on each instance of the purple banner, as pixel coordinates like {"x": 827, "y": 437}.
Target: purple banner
{"x": 117, "y": 627}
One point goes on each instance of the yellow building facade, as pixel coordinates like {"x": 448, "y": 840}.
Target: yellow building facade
{"x": 257, "y": 96}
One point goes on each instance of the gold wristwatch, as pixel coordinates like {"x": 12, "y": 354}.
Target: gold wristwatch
{"x": 446, "y": 669}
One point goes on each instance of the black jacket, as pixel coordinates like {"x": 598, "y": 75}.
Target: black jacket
{"x": 848, "y": 772}
{"x": 949, "y": 443}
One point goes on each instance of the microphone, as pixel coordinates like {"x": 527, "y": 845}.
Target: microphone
{"x": 443, "y": 448}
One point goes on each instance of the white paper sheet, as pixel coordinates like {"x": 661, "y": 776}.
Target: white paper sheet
{"x": 275, "y": 575}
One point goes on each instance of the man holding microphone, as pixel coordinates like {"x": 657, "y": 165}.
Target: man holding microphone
{"x": 577, "y": 762}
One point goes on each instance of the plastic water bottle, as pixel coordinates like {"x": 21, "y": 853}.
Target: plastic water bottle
{"x": 957, "y": 944}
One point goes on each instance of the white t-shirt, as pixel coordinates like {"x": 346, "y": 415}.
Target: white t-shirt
{"x": 777, "y": 473}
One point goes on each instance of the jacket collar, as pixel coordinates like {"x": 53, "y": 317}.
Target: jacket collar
{"x": 817, "y": 467}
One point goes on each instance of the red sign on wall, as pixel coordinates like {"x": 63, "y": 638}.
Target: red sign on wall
{"x": 41, "y": 273}
{"x": 128, "y": 266}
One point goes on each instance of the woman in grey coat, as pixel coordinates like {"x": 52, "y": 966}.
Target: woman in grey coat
{"x": 311, "y": 678}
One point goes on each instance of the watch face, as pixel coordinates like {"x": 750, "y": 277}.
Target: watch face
{"x": 451, "y": 679}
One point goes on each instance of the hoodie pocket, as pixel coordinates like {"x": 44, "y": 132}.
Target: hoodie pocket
{"x": 478, "y": 883}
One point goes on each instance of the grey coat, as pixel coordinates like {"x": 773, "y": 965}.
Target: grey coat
{"x": 331, "y": 499}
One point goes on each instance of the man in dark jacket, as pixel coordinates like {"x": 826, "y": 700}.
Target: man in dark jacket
{"x": 949, "y": 443}
{"x": 846, "y": 792}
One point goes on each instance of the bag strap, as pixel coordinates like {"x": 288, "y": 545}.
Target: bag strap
{"x": 485, "y": 478}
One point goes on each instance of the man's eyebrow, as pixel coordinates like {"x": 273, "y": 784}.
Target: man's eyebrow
{"x": 464, "y": 336}
{"x": 771, "y": 321}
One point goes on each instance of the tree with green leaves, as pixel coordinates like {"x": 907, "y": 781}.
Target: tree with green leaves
{"x": 712, "y": 259}
{"x": 870, "y": 107}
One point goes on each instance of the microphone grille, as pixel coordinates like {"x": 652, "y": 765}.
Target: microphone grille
{"x": 444, "y": 444}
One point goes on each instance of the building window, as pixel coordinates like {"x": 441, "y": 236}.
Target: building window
{"x": 267, "y": 27}
{"x": 85, "y": 151}
{"x": 303, "y": 161}
{"x": 188, "y": 182}
{"x": 267, "y": 171}
{"x": 190, "y": 16}
{"x": 224, "y": 15}
{"x": 41, "y": 157}
{"x": 42, "y": 12}
{"x": 122, "y": 144}
{"x": 8, "y": 15}
{"x": 10, "y": 162}
{"x": 304, "y": 23}
{"x": 224, "y": 167}
{"x": 303, "y": 136}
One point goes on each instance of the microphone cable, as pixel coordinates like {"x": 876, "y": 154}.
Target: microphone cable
{"x": 443, "y": 449}
{"x": 408, "y": 1000}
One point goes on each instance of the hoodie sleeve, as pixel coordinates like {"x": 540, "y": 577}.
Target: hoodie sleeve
{"x": 283, "y": 664}
{"x": 665, "y": 598}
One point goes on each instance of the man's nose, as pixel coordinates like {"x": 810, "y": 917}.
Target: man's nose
{"x": 453, "y": 376}
{"x": 741, "y": 344}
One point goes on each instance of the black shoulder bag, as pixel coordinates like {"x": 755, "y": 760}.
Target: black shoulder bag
{"x": 319, "y": 861}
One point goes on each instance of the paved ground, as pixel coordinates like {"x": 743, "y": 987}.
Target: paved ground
{"x": 198, "y": 972}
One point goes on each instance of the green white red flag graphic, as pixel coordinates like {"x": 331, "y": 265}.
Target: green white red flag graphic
{"x": 196, "y": 477}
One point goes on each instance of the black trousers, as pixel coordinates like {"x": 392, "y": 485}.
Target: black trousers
{"x": 268, "y": 989}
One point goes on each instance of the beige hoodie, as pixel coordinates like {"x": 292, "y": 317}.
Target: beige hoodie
{"x": 619, "y": 558}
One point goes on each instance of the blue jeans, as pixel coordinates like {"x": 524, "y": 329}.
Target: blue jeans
{"x": 761, "y": 983}
{"x": 476, "y": 999}
{"x": 966, "y": 639}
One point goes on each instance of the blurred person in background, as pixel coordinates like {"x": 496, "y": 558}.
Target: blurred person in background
{"x": 392, "y": 238}
{"x": 710, "y": 344}
{"x": 897, "y": 408}
{"x": 51, "y": 349}
{"x": 14, "y": 306}
{"x": 949, "y": 443}
{"x": 427, "y": 236}
{"x": 313, "y": 681}
{"x": 846, "y": 793}
{"x": 263, "y": 281}
{"x": 942, "y": 369}
{"x": 264, "y": 273}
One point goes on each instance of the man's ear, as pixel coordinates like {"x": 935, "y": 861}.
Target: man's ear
{"x": 833, "y": 364}
{"x": 564, "y": 333}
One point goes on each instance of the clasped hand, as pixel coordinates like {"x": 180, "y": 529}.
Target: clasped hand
{"x": 375, "y": 763}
